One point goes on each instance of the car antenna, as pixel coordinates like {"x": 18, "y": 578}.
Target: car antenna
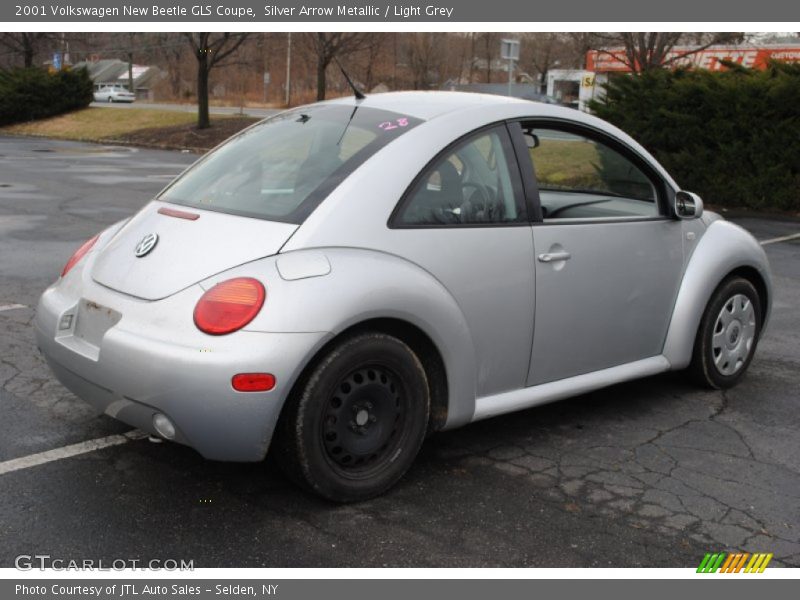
{"x": 359, "y": 96}
{"x": 346, "y": 127}
{"x": 358, "y": 93}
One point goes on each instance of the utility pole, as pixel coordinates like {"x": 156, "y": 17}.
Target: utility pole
{"x": 130, "y": 63}
{"x": 266, "y": 65}
{"x": 288, "y": 68}
{"x": 64, "y": 49}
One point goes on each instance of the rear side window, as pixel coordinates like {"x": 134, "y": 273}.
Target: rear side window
{"x": 282, "y": 168}
{"x": 473, "y": 184}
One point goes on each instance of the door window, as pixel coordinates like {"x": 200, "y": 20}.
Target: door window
{"x": 582, "y": 178}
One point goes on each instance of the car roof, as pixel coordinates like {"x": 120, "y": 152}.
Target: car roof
{"x": 482, "y": 109}
{"x": 429, "y": 105}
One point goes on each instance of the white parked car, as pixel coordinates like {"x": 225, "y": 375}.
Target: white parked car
{"x": 113, "y": 93}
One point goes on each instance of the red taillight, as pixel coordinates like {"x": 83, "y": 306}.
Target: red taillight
{"x": 253, "y": 382}
{"x": 79, "y": 254}
{"x": 229, "y": 305}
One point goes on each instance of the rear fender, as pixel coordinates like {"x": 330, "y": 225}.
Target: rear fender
{"x": 358, "y": 285}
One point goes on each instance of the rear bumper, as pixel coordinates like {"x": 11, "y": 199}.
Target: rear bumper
{"x": 131, "y": 367}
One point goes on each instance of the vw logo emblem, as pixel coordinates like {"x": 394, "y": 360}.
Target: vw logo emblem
{"x": 146, "y": 245}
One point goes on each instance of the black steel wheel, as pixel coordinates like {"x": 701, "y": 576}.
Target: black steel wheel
{"x": 363, "y": 418}
{"x": 358, "y": 419}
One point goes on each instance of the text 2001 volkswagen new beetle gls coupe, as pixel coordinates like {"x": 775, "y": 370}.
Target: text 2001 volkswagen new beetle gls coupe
{"x": 341, "y": 279}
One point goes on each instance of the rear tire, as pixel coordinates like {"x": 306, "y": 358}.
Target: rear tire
{"x": 728, "y": 334}
{"x": 357, "y": 420}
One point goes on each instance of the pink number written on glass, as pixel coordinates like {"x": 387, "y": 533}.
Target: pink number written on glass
{"x": 389, "y": 125}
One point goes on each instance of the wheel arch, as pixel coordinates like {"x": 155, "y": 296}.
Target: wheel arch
{"x": 369, "y": 290}
{"x": 724, "y": 250}
{"x": 417, "y": 340}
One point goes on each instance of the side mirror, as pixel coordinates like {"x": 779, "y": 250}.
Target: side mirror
{"x": 688, "y": 205}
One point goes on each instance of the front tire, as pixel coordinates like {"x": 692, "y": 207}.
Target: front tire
{"x": 357, "y": 420}
{"x": 728, "y": 334}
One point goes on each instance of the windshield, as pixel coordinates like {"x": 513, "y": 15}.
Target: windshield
{"x": 282, "y": 168}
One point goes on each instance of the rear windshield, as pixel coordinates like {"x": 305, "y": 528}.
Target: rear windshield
{"x": 282, "y": 168}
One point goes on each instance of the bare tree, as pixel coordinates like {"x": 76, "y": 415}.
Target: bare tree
{"x": 169, "y": 51}
{"x": 24, "y": 43}
{"x": 490, "y": 46}
{"x": 645, "y": 51}
{"x": 328, "y": 46}
{"x": 543, "y": 51}
{"x": 464, "y": 57}
{"x": 129, "y": 56}
{"x": 374, "y": 45}
{"x": 423, "y": 57}
{"x": 472, "y": 44}
{"x": 581, "y": 43}
{"x": 210, "y": 49}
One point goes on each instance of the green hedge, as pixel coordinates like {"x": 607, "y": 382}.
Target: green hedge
{"x": 28, "y": 94}
{"x": 733, "y": 137}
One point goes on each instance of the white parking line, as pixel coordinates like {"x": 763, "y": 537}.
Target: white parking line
{"x": 11, "y": 306}
{"x": 34, "y": 460}
{"x": 784, "y": 238}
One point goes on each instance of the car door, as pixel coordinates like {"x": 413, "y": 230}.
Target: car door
{"x": 608, "y": 257}
{"x": 464, "y": 220}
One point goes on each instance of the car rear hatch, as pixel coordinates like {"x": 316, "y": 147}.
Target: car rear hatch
{"x": 190, "y": 245}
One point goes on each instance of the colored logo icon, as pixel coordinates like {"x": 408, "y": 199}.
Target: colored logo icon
{"x": 721, "y": 562}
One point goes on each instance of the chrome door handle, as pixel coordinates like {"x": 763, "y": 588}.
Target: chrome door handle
{"x": 554, "y": 256}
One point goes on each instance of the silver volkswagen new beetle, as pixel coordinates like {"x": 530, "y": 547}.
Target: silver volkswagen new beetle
{"x": 342, "y": 279}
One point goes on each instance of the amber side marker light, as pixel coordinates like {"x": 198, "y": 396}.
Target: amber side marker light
{"x": 253, "y": 382}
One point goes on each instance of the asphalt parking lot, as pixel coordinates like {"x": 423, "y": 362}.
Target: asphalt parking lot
{"x": 650, "y": 473}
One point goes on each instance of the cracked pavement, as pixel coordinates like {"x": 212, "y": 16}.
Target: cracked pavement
{"x": 654, "y": 472}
